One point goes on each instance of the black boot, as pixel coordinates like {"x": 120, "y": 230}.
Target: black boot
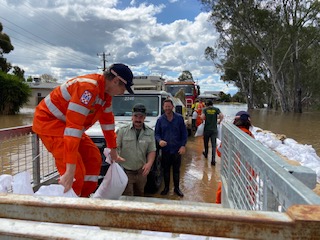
{"x": 213, "y": 161}
{"x": 205, "y": 154}
{"x": 178, "y": 192}
{"x": 165, "y": 191}
{"x": 176, "y": 180}
{"x": 166, "y": 178}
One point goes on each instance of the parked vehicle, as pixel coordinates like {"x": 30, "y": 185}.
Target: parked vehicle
{"x": 191, "y": 90}
{"x": 122, "y": 109}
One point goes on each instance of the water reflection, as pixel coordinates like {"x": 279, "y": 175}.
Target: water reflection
{"x": 25, "y": 117}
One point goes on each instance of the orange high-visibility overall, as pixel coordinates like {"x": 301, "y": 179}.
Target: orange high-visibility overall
{"x": 198, "y": 120}
{"x": 199, "y": 106}
{"x": 61, "y": 119}
{"x": 251, "y": 192}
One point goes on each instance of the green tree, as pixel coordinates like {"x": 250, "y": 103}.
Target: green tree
{"x": 13, "y": 93}
{"x": 310, "y": 77}
{"x": 240, "y": 65}
{"x": 5, "y": 47}
{"x": 29, "y": 79}
{"x": 186, "y": 75}
{"x": 280, "y": 30}
{"x": 4, "y": 65}
{"x": 301, "y": 20}
{"x": 239, "y": 97}
{"x": 5, "y": 42}
{"x": 224, "y": 97}
{"x": 17, "y": 71}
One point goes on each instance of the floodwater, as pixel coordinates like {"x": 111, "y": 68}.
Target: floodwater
{"x": 198, "y": 179}
{"x": 302, "y": 127}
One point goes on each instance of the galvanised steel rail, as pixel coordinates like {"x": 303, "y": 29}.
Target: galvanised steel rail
{"x": 255, "y": 178}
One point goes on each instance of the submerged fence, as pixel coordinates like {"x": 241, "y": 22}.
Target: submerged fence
{"x": 21, "y": 150}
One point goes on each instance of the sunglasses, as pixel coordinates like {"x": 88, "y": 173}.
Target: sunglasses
{"x": 121, "y": 79}
{"x": 142, "y": 110}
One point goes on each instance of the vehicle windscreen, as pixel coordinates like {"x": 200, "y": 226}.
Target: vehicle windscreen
{"x": 122, "y": 105}
{"x": 173, "y": 89}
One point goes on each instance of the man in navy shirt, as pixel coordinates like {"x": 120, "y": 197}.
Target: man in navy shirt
{"x": 171, "y": 134}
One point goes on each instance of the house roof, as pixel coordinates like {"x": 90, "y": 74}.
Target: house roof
{"x": 212, "y": 92}
{"x": 41, "y": 85}
{"x": 206, "y": 95}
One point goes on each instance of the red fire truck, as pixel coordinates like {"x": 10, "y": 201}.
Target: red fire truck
{"x": 191, "y": 89}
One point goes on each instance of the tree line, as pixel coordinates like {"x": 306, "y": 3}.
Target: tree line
{"x": 14, "y": 91}
{"x": 269, "y": 49}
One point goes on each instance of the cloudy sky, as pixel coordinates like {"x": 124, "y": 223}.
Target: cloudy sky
{"x": 66, "y": 38}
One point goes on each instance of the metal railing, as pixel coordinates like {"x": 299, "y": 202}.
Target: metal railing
{"x": 21, "y": 150}
{"x": 255, "y": 178}
{"x": 26, "y": 217}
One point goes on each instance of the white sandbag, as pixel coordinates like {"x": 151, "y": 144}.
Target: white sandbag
{"x": 114, "y": 182}
{"x": 290, "y": 141}
{"x": 200, "y": 130}
{"x": 22, "y": 183}
{"x": 5, "y": 183}
{"x": 273, "y": 143}
{"x": 55, "y": 190}
{"x": 219, "y": 129}
{"x": 218, "y": 142}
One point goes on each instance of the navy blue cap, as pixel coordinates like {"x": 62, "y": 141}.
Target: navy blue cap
{"x": 243, "y": 115}
{"x": 124, "y": 73}
{"x": 139, "y": 109}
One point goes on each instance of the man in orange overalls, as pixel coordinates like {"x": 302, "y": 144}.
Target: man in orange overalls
{"x": 62, "y": 118}
{"x": 243, "y": 121}
{"x": 198, "y": 107}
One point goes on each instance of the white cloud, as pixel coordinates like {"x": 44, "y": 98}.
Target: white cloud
{"x": 63, "y": 38}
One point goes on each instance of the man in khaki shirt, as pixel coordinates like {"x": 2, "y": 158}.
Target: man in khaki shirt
{"x": 136, "y": 144}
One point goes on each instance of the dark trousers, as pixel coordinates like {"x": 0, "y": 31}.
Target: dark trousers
{"x": 210, "y": 135}
{"x": 167, "y": 161}
{"x": 194, "y": 127}
{"x": 136, "y": 183}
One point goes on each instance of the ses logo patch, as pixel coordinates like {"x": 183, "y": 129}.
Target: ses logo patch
{"x": 85, "y": 98}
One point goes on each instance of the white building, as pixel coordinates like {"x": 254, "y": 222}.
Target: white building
{"x": 39, "y": 90}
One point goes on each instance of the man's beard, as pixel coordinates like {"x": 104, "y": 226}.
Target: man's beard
{"x": 137, "y": 123}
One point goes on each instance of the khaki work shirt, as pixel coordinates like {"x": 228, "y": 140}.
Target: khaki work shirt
{"x": 135, "y": 149}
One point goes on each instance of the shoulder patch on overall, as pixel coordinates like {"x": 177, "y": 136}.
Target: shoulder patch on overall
{"x": 86, "y": 96}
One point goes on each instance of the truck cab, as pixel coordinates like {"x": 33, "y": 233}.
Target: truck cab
{"x": 122, "y": 109}
{"x": 191, "y": 90}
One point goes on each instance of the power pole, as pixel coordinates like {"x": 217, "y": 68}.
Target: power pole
{"x": 104, "y": 60}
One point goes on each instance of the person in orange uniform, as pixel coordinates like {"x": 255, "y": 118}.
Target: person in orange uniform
{"x": 62, "y": 118}
{"x": 198, "y": 107}
{"x": 243, "y": 121}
